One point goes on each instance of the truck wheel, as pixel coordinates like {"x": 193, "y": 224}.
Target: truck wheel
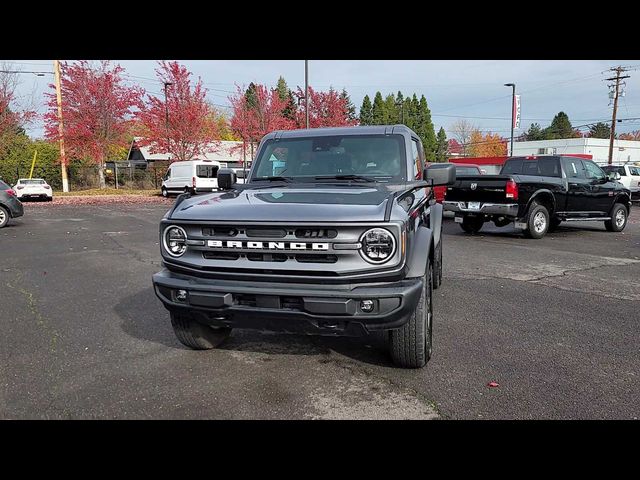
{"x": 165, "y": 194}
{"x": 4, "y": 216}
{"x": 472, "y": 224}
{"x": 554, "y": 223}
{"x": 411, "y": 344}
{"x": 537, "y": 221}
{"x": 618, "y": 218}
{"x": 197, "y": 335}
{"x": 437, "y": 275}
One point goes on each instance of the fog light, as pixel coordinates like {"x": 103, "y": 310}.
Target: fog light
{"x": 181, "y": 295}
{"x": 366, "y": 306}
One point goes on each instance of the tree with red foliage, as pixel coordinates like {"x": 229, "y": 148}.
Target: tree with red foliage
{"x": 96, "y": 108}
{"x": 185, "y": 125}
{"x": 326, "y": 109}
{"x": 635, "y": 135}
{"x": 12, "y": 118}
{"x": 259, "y": 113}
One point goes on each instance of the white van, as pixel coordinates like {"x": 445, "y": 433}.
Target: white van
{"x": 191, "y": 176}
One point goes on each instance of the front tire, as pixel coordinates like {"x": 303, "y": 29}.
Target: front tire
{"x": 197, "y": 335}
{"x": 537, "y": 221}
{"x": 411, "y": 345}
{"x": 618, "y": 218}
{"x": 4, "y": 216}
{"x": 472, "y": 225}
{"x": 165, "y": 193}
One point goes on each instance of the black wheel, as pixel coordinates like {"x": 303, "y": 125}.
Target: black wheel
{"x": 554, "y": 223}
{"x": 437, "y": 275}
{"x": 411, "y": 344}
{"x": 618, "y": 218}
{"x": 187, "y": 190}
{"x": 4, "y": 216}
{"x": 537, "y": 221}
{"x": 472, "y": 224}
{"x": 197, "y": 335}
{"x": 165, "y": 193}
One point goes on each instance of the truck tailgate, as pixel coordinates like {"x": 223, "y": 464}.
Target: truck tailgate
{"x": 479, "y": 188}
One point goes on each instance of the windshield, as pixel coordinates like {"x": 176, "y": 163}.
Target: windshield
{"x": 305, "y": 159}
{"x": 614, "y": 169}
{"x": 467, "y": 171}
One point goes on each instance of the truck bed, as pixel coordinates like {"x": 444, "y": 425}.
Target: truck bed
{"x": 488, "y": 188}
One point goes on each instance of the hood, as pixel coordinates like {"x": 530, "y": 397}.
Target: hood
{"x": 288, "y": 204}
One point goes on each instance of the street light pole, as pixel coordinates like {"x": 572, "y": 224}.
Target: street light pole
{"x": 63, "y": 156}
{"x": 306, "y": 92}
{"x": 166, "y": 117}
{"x": 513, "y": 110}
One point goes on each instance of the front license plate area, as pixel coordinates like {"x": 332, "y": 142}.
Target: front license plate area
{"x": 520, "y": 225}
{"x": 458, "y": 219}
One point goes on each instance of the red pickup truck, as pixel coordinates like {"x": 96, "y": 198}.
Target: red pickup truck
{"x": 462, "y": 169}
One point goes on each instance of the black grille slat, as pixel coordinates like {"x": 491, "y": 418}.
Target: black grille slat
{"x": 303, "y": 258}
{"x": 267, "y": 257}
{"x": 220, "y": 255}
{"x": 266, "y": 232}
{"x": 316, "y": 233}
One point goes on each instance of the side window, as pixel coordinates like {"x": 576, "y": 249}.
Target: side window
{"x": 634, "y": 170}
{"x": 592, "y": 171}
{"x": 549, "y": 167}
{"x": 512, "y": 166}
{"x": 573, "y": 167}
{"x": 530, "y": 167}
{"x": 416, "y": 160}
{"x": 167, "y": 175}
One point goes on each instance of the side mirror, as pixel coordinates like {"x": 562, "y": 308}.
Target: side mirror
{"x": 226, "y": 178}
{"x": 440, "y": 174}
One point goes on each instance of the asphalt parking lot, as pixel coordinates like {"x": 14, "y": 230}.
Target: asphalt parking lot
{"x": 555, "y": 322}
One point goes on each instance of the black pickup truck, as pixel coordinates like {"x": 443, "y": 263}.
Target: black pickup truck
{"x": 336, "y": 232}
{"x": 537, "y": 193}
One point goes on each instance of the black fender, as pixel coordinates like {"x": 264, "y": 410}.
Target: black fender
{"x": 625, "y": 199}
{"x": 421, "y": 246}
{"x": 542, "y": 191}
{"x": 435, "y": 222}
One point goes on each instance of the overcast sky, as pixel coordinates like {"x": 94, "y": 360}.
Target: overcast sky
{"x": 470, "y": 89}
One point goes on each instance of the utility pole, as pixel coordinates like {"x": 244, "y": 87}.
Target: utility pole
{"x": 306, "y": 92}
{"x": 513, "y": 111}
{"x": 617, "y": 78}
{"x": 166, "y": 117}
{"x": 63, "y": 157}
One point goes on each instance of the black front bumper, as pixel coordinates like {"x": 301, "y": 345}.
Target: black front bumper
{"x": 316, "y": 309}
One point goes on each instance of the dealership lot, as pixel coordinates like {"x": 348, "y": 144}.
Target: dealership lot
{"x": 553, "y": 321}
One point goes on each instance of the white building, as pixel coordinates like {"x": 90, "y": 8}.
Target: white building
{"x": 624, "y": 151}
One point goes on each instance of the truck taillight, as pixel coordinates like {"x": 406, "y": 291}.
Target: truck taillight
{"x": 193, "y": 182}
{"x": 512, "y": 190}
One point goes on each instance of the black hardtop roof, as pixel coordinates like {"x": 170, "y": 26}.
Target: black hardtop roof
{"x": 334, "y": 131}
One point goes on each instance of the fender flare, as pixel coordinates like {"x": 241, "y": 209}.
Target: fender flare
{"x": 626, "y": 200}
{"x": 435, "y": 222}
{"x": 422, "y": 244}
{"x": 542, "y": 191}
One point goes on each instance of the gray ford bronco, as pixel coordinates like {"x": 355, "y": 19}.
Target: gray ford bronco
{"x": 336, "y": 232}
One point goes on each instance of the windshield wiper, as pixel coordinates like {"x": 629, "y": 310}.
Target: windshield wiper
{"x": 275, "y": 179}
{"x": 346, "y": 177}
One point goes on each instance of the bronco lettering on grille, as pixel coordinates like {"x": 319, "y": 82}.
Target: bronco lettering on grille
{"x": 224, "y": 244}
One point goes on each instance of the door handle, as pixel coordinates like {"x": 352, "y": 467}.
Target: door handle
{"x": 571, "y": 184}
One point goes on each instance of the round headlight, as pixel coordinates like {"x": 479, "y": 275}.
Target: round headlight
{"x": 175, "y": 241}
{"x": 378, "y": 245}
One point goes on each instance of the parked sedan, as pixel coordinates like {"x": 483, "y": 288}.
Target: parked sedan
{"x": 33, "y": 188}
{"x": 10, "y": 206}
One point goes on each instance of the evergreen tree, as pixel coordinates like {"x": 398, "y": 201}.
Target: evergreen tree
{"x": 400, "y": 106}
{"x": 377, "y": 112}
{"x": 442, "y": 146}
{"x": 283, "y": 89}
{"x": 600, "y": 130}
{"x": 350, "y": 107}
{"x": 366, "y": 115}
{"x": 390, "y": 110}
{"x": 250, "y": 95}
{"x": 534, "y": 133}
{"x": 425, "y": 130}
{"x": 560, "y": 128}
